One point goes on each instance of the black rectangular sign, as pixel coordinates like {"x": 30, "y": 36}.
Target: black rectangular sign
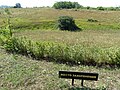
{"x": 78, "y": 75}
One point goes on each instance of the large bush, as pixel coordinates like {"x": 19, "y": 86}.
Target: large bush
{"x": 67, "y": 23}
{"x": 101, "y": 8}
{"x": 66, "y": 5}
{"x": 17, "y": 5}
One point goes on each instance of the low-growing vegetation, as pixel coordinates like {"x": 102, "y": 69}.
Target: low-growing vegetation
{"x": 97, "y": 45}
{"x": 62, "y": 52}
{"x": 46, "y": 18}
{"x": 19, "y": 72}
{"x": 75, "y": 54}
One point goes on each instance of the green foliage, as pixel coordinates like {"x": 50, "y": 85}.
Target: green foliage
{"x": 88, "y": 7}
{"x": 4, "y": 32}
{"x": 4, "y": 36}
{"x": 101, "y": 8}
{"x": 67, "y": 23}
{"x": 48, "y": 16}
{"x": 113, "y": 8}
{"x": 8, "y": 26}
{"x": 20, "y": 72}
{"x": 17, "y": 5}
{"x": 76, "y": 54}
{"x": 66, "y": 5}
{"x": 7, "y": 11}
{"x": 43, "y": 25}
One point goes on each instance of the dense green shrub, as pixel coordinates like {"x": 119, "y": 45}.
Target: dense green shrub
{"x": 76, "y": 54}
{"x": 4, "y": 36}
{"x": 112, "y": 8}
{"x": 88, "y": 7}
{"x": 17, "y": 5}
{"x": 101, "y": 8}
{"x": 67, "y": 23}
{"x": 66, "y": 5}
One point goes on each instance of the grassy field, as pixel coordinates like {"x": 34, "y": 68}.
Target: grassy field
{"x": 45, "y": 18}
{"x": 89, "y": 38}
{"x": 21, "y": 73}
{"x": 100, "y": 41}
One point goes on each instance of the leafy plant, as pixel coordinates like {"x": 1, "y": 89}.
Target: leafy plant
{"x": 62, "y": 53}
{"x": 8, "y": 13}
{"x": 101, "y": 8}
{"x": 67, "y": 23}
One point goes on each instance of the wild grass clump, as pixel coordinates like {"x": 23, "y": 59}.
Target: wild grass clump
{"x": 76, "y": 54}
{"x": 45, "y": 24}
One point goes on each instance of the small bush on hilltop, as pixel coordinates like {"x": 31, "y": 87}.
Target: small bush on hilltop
{"x": 67, "y": 23}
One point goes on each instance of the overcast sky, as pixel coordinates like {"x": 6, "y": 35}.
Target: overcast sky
{"x": 39, "y": 3}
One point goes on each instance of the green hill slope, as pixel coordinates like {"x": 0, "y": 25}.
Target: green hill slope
{"x": 45, "y": 18}
{"x": 19, "y": 72}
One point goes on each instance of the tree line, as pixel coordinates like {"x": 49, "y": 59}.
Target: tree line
{"x": 76, "y": 5}
{"x": 17, "y": 5}
{"x": 66, "y": 5}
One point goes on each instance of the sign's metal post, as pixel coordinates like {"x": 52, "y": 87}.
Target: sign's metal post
{"x": 82, "y": 82}
{"x": 72, "y": 81}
